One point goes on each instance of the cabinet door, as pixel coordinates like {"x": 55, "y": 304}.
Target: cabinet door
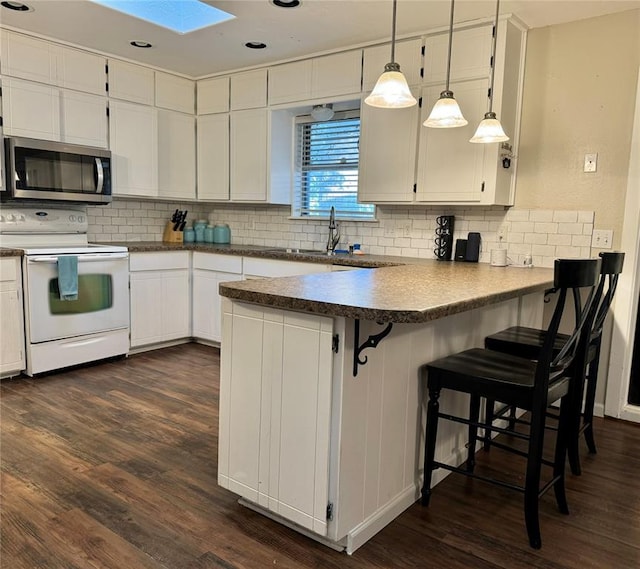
{"x": 450, "y": 168}
{"x": 207, "y": 303}
{"x": 248, "y": 155}
{"x": 133, "y": 133}
{"x": 275, "y": 397}
{"x": 249, "y": 90}
{"x": 146, "y": 308}
{"x": 29, "y": 58}
{"x": 290, "y": 82}
{"x": 213, "y": 157}
{"x": 175, "y": 305}
{"x": 131, "y": 82}
{"x": 408, "y": 55}
{"x": 82, "y": 71}
{"x": 470, "y": 55}
{"x": 12, "y": 356}
{"x": 84, "y": 119}
{"x": 213, "y": 95}
{"x": 31, "y": 109}
{"x": 337, "y": 74}
{"x": 176, "y": 155}
{"x": 175, "y": 93}
{"x": 387, "y": 171}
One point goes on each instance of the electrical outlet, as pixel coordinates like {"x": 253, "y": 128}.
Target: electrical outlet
{"x": 405, "y": 228}
{"x": 602, "y": 238}
{"x": 590, "y": 162}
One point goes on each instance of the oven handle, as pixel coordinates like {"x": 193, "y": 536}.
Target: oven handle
{"x": 81, "y": 258}
{"x": 100, "y": 173}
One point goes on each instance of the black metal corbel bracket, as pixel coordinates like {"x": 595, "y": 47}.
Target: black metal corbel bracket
{"x": 371, "y": 342}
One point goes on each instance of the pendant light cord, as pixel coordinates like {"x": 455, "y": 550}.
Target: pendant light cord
{"x": 493, "y": 55}
{"x": 450, "y": 43}
{"x": 393, "y": 33}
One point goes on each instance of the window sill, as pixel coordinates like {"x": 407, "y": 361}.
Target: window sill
{"x": 326, "y": 218}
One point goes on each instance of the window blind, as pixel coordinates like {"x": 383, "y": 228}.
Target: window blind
{"x": 327, "y": 168}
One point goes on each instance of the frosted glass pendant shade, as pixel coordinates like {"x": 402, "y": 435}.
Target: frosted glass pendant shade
{"x": 489, "y": 130}
{"x": 391, "y": 90}
{"x": 445, "y": 113}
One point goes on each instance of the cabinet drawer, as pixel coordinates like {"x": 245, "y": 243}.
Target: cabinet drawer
{"x": 216, "y": 262}
{"x": 159, "y": 261}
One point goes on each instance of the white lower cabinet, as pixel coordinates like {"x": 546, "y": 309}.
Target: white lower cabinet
{"x": 209, "y": 270}
{"x": 305, "y": 441}
{"x": 160, "y": 297}
{"x": 12, "y": 355}
{"x": 275, "y": 411}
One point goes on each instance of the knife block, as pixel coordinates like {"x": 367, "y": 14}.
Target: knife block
{"x": 171, "y": 236}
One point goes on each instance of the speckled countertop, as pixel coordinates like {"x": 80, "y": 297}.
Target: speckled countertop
{"x": 8, "y": 252}
{"x": 408, "y": 293}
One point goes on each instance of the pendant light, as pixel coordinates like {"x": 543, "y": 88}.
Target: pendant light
{"x": 490, "y": 129}
{"x": 391, "y": 90}
{"x": 446, "y": 113}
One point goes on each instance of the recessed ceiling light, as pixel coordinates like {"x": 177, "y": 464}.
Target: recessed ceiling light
{"x": 182, "y": 17}
{"x": 17, "y": 6}
{"x": 143, "y": 44}
{"x": 255, "y": 45}
{"x": 286, "y": 3}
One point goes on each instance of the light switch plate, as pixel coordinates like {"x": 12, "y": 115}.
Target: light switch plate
{"x": 590, "y": 162}
{"x": 602, "y": 238}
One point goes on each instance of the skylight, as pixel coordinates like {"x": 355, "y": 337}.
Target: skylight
{"x": 181, "y": 16}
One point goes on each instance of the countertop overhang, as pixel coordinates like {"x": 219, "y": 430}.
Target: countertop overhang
{"x": 401, "y": 294}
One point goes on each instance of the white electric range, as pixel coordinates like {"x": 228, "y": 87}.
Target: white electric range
{"x": 62, "y": 333}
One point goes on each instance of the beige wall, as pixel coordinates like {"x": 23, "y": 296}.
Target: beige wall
{"x": 579, "y": 97}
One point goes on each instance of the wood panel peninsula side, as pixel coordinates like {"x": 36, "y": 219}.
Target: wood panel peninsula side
{"x": 319, "y": 429}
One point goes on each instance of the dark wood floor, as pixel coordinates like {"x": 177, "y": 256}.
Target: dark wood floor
{"x": 114, "y": 466}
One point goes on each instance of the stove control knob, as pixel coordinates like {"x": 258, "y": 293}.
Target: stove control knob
{"x": 72, "y": 218}
{"x": 81, "y": 219}
{"x": 10, "y": 217}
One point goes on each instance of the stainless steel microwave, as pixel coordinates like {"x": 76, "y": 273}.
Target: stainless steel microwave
{"x": 45, "y": 170}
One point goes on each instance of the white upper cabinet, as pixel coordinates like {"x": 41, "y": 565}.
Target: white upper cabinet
{"x": 213, "y": 157}
{"x": 131, "y": 82}
{"x": 470, "y": 55}
{"x": 450, "y": 168}
{"x": 249, "y": 90}
{"x": 387, "y": 171}
{"x": 213, "y": 95}
{"x": 337, "y": 74}
{"x": 31, "y": 109}
{"x": 175, "y": 93}
{"x": 133, "y": 131}
{"x": 248, "y": 155}
{"x": 290, "y": 82}
{"x": 176, "y": 155}
{"x": 318, "y": 78}
{"x": 29, "y": 58}
{"x": 82, "y": 71}
{"x": 83, "y": 118}
{"x": 408, "y": 55}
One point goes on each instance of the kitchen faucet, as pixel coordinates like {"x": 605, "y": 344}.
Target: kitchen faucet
{"x": 334, "y": 233}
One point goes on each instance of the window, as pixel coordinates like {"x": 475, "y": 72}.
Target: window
{"x": 326, "y": 169}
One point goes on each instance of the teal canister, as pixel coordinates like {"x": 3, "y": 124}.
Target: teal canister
{"x": 221, "y": 233}
{"x": 188, "y": 235}
{"x": 208, "y": 234}
{"x": 199, "y": 227}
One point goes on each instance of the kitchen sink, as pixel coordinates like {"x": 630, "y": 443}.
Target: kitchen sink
{"x": 294, "y": 251}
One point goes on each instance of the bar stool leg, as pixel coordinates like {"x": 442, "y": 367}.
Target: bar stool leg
{"x": 488, "y": 420}
{"x": 589, "y": 401}
{"x": 559, "y": 461}
{"x": 433, "y": 410}
{"x": 474, "y": 416}
{"x": 532, "y": 482}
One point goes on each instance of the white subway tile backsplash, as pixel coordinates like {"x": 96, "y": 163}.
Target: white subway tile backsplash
{"x": 399, "y": 230}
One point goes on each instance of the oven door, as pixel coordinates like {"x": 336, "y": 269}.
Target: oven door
{"x": 102, "y": 303}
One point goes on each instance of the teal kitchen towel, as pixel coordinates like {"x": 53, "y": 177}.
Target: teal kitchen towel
{"x": 68, "y": 277}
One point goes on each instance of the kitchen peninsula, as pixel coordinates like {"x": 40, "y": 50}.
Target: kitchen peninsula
{"x": 321, "y": 407}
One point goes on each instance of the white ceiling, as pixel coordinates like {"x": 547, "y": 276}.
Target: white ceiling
{"x": 315, "y": 26}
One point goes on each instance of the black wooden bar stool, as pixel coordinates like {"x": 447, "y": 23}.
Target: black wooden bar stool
{"x": 521, "y": 382}
{"x": 527, "y": 343}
